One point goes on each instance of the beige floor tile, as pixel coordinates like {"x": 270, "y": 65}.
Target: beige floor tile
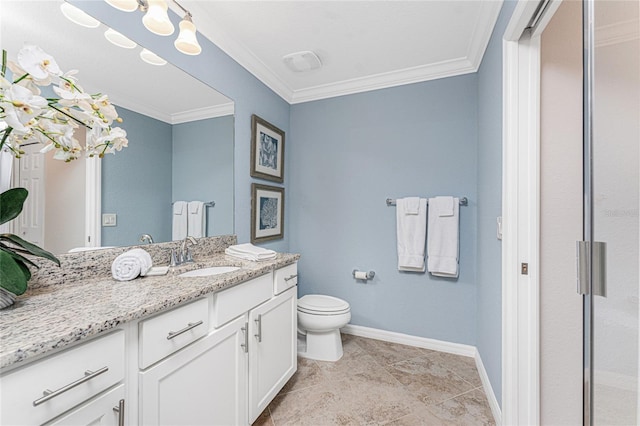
{"x": 264, "y": 419}
{"x": 463, "y": 366}
{"x": 307, "y": 375}
{"x": 386, "y": 353}
{"x": 354, "y": 360}
{"x": 428, "y": 380}
{"x": 420, "y": 417}
{"x": 471, "y": 408}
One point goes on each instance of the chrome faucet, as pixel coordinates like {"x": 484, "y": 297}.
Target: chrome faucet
{"x": 146, "y": 238}
{"x": 183, "y": 254}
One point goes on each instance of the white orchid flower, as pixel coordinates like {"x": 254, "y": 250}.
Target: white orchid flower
{"x": 21, "y": 106}
{"x": 69, "y": 89}
{"x": 37, "y": 62}
{"x": 26, "y": 79}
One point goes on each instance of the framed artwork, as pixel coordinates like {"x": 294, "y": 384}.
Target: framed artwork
{"x": 267, "y": 150}
{"x": 267, "y": 213}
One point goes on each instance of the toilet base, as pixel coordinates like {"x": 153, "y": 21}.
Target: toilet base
{"x": 325, "y": 346}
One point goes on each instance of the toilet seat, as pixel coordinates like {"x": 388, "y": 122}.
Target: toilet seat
{"x": 316, "y": 304}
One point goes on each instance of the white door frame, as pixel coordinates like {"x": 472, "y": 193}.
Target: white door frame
{"x": 520, "y": 215}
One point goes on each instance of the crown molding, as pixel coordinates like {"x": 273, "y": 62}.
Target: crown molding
{"x": 481, "y": 35}
{"x": 619, "y": 32}
{"x": 124, "y": 102}
{"x": 203, "y": 113}
{"x": 385, "y": 80}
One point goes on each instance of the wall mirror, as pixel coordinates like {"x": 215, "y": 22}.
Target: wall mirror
{"x": 180, "y": 135}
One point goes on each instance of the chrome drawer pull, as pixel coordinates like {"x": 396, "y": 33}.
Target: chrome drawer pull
{"x": 120, "y": 410}
{"x": 189, "y": 326}
{"x": 291, "y": 277}
{"x": 259, "y": 322}
{"x": 49, "y": 394}
{"x": 245, "y": 331}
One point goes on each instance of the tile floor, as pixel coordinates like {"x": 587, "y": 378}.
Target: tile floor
{"x": 381, "y": 383}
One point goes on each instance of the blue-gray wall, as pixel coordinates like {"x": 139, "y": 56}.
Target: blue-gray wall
{"x": 138, "y": 184}
{"x": 203, "y": 168}
{"x": 218, "y": 70}
{"x": 489, "y": 281}
{"x": 348, "y": 154}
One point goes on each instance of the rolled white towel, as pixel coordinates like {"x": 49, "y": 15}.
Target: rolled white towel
{"x": 131, "y": 264}
{"x": 248, "y": 251}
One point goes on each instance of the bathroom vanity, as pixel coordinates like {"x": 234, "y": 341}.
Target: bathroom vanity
{"x": 156, "y": 350}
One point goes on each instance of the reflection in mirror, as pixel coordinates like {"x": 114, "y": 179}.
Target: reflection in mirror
{"x": 180, "y": 135}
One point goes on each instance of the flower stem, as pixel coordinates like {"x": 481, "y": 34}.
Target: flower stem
{"x": 4, "y": 62}
{"x": 68, "y": 115}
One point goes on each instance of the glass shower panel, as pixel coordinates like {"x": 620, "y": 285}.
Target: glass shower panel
{"x": 615, "y": 202}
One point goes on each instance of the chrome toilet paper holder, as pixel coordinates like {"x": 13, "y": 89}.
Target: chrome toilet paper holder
{"x": 360, "y": 275}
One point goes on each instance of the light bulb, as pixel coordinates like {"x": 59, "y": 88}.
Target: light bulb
{"x": 156, "y": 19}
{"x": 78, "y": 16}
{"x": 187, "y": 42}
{"x": 124, "y": 5}
{"x": 151, "y": 58}
{"x": 118, "y": 39}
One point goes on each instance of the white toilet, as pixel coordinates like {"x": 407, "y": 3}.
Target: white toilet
{"x": 320, "y": 319}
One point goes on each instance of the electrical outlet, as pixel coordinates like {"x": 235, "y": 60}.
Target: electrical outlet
{"x": 109, "y": 219}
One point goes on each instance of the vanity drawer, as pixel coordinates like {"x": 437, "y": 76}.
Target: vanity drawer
{"x": 164, "y": 334}
{"x": 235, "y": 301}
{"x": 285, "y": 278}
{"x": 73, "y": 376}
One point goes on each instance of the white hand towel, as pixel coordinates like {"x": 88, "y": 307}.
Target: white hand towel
{"x": 411, "y": 231}
{"x": 131, "y": 264}
{"x": 197, "y": 219}
{"x": 248, "y": 251}
{"x": 443, "y": 242}
{"x": 411, "y": 205}
{"x": 180, "y": 220}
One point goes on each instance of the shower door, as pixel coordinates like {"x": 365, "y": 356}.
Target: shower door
{"x": 612, "y": 158}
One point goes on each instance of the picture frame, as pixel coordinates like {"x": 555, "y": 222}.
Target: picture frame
{"x": 267, "y": 150}
{"x": 267, "y": 213}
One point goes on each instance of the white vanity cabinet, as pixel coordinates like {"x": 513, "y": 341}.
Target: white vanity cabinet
{"x": 272, "y": 349}
{"x": 203, "y": 384}
{"x": 45, "y": 389}
{"x": 102, "y": 411}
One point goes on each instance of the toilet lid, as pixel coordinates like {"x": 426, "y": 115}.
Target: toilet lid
{"x": 321, "y": 303}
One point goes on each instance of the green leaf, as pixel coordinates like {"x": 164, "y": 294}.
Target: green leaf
{"x": 17, "y": 256}
{"x": 12, "y": 274}
{"x": 31, "y": 248}
{"x": 11, "y": 202}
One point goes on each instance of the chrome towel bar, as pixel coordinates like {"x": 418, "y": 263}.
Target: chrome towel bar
{"x": 463, "y": 201}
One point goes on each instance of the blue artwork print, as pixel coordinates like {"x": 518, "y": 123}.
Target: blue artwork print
{"x": 268, "y": 213}
{"x": 268, "y": 151}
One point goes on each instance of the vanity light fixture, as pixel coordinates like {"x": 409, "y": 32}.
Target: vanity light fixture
{"x": 156, "y": 20}
{"x": 77, "y": 16}
{"x": 151, "y": 58}
{"x": 124, "y": 5}
{"x": 118, "y": 39}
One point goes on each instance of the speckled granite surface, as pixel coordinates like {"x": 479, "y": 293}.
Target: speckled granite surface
{"x": 50, "y": 317}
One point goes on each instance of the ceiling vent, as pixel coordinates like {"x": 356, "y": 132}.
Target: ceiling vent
{"x": 302, "y": 61}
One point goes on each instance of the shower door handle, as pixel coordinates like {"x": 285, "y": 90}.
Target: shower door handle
{"x": 592, "y": 267}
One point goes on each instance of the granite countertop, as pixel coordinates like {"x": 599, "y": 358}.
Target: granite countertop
{"x": 48, "y": 318}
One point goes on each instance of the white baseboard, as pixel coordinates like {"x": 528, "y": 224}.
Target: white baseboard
{"x": 488, "y": 390}
{"x": 435, "y": 345}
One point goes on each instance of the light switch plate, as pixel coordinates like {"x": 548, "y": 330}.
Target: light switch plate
{"x": 109, "y": 219}
{"x": 499, "y": 227}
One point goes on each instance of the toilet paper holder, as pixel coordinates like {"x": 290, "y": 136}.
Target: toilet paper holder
{"x": 361, "y": 275}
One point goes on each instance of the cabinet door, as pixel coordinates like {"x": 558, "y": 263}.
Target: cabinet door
{"x": 98, "y": 412}
{"x": 203, "y": 384}
{"x": 272, "y": 349}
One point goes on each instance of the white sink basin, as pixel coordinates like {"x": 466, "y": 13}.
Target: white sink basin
{"x": 207, "y": 272}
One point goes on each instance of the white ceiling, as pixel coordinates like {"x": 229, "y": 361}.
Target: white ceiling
{"x": 105, "y": 68}
{"x": 363, "y": 45}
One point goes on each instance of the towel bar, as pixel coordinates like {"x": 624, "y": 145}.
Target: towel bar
{"x": 463, "y": 201}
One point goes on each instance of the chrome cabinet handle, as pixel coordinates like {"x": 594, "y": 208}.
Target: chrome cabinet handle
{"x": 245, "y": 331}
{"x": 259, "y": 322}
{"x": 49, "y": 394}
{"x": 189, "y": 326}
{"x": 120, "y": 410}
{"x": 291, "y": 277}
